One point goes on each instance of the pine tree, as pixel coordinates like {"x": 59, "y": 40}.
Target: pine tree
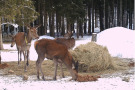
{"x": 16, "y": 11}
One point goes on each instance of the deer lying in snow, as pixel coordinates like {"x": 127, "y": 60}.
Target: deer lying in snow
{"x": 57, "y": 52}
{"x": 23, "y": 42}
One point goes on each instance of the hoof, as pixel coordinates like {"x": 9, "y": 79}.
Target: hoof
{"x": 63, "y": 76}
{"x": 54, "y": 78}
{"x": 38, "y": 77}
{"x": 43, "y": 78}
{"x": 27, "y": 64}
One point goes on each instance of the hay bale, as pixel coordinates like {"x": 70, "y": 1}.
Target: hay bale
{"x": 92, "y": 57}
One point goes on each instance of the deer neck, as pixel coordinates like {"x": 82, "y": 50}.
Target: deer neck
{"x": 28, "y": 38}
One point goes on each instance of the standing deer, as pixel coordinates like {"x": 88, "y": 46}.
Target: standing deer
{"x": 57, "y": 52}
{"x": 69, "y": 34}
{"x": 70, "y": 42}
{"x": 23, "y": 43}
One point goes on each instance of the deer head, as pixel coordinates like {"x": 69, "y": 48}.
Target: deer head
{"x": 69, "y": 34}
{"x": 75, "y": 66}
{"x": 33, "y": 32}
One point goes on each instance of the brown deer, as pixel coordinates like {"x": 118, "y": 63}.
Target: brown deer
{"x": 57, "y": 52}
{"x": 69, "y": 34}
{"x": 70, "y": 42}
{"x": 23, "y": 42}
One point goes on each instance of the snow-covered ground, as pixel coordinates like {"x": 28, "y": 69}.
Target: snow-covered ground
{"x": 119, "y": 41}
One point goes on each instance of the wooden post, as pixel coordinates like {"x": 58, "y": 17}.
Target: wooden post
{"x": 0, "y": 57}
{"x": 134, "y": 14}
{"x": 94, "y": 37}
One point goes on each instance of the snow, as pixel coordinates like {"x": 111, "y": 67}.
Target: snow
{"x": 15, "y": 25}
{"x": 119, "y": 41}
{"x": 63, "y": 84}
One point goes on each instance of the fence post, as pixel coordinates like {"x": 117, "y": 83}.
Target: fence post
{"x": 94, "y": 37}
{"x": 0, "y": 57}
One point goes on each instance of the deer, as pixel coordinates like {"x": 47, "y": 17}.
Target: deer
{"x": 57, "y": 52}
{"x": 69, "y": 34}
{"x": 70, "y": 42}
{"x": 23, "y": 43}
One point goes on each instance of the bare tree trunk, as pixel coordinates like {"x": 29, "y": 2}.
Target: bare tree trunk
{"x": 85, "y": 32}
{"x": 130, "y": 15}
{"x": 89, "y": 22}
{"x": 45, "y": 17}
{"x": 80, "y": 29}
{"x": 45, "y": 22}
{"x": 51, "y": 24}
{"x": 118, "y": 13}
{"x": 121, "y": 13}
{"x": 93, "y": 16}
{"x": 101, "y": 15}
{"x": 57, "y": 23}
{"x": 96, "y": 18}
{"x": 0, "y": 57}
{"x": 77, "y": 29}
{"x": 53, "y": 33}
{"x": 106, "y": 14}
{"x": 63, "y": 26}
{"x": 1, "y": 42}
{"x": 134, "y": 14}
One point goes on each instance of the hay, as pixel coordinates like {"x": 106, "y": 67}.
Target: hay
{"x": 47, "y": 67}
{"x": 86, "y": 78}
{"x": 93, "y": 58}
{"x": 2, "y": 66}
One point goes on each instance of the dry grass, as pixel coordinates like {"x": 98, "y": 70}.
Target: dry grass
{"x": 96, "y": 58}
{"x": 47, "y": 67}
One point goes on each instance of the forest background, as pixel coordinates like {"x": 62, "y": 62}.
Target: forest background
{"x": 57, "y": 17}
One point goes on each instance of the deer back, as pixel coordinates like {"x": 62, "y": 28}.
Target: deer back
{"x": 50, "y": 48}
{"x": 70, "y": 42}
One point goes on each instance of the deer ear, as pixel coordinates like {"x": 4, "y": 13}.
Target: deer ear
{"x": 73, "y": 67}
{"x": 28, "y": 27}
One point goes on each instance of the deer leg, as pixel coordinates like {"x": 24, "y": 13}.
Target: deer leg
{"x": 25, "y": 69}
{"x": 27, "y": 57}
{"x": 55, "y": 72}
{"x": 20, "y": 55}
{"x": 38, "y": 66}
{"x": 69, "y": 67}
{"x": 62, "y": 73}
